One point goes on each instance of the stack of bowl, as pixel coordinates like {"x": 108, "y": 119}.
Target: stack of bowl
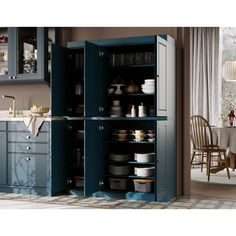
{"x": 149, "y": 86}
{"x": 138, "y": 135}
{"x": 116, "y": 109}
{"x": 150, "y": 136}
{"x": 120, "y": 135}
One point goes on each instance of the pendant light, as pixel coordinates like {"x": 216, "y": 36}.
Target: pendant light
{"x": 229, "y": 69}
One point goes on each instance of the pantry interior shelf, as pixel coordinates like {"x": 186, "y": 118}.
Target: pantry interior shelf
{"x": 130, "y": 95}
{"x": 132, "y": 66}
{"x": 133, "y": 142}
{"x": 131, "y": 162}
{"x": 130, "y": 176}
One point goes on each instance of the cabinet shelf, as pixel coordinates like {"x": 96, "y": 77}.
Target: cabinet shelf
{"x": 130, "y": 162}
{"x": 141, "y": 66}
{"x": 121, "y": 118}
{"x": 130, "y": 176}
{"x": 130, "y": 95}
{"x": 131, "y": 142}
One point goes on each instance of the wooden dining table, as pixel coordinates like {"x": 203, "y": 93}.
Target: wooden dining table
{"x": 225, "y": 137}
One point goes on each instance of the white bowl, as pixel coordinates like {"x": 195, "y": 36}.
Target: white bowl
{"x": 144, "y": 171}
{"x": 149, "y": 81}
{"x": 148, "y": 91}
{"x": 144, "y": 157}
{"x": 147, "y": 86}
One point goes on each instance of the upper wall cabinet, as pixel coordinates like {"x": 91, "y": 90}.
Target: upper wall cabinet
{"x": 22, "y": 55}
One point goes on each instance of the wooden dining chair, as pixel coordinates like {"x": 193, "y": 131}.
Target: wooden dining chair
{"x": 201, "y": 137}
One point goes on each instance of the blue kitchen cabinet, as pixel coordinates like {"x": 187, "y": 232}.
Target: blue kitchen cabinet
{"x": 3, "y": 155}
{"x": 23, "y": 55}
{"x": 116, "y": 64}
{"x": 33, "y": 165}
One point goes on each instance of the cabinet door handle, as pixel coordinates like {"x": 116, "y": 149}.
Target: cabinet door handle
{"x": 100, "y": 109}
{"x": 100, "y": 53}
{"x": 28, "y": 137}
{"x": 27, "y": 158}
{"x": 9, "y": 77}
{"x": 28, "y": 148}
{"x": 13, "y": 77}
{"x": 101, "y": 127}
{"x": 69, "y": 127}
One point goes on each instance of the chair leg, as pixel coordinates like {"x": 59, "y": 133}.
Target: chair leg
{"x": 193, "y": 155}
{"x": 226, "y": 165}
{"x": 202, "y": 161}
{"x": 208, "y": 165}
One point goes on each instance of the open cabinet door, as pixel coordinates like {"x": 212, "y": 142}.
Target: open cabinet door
{"x": 95, "y": 81}
{"x": 161, "y": 69}
{"x": 94, "y": 157}
{"x": 58, "y": 81}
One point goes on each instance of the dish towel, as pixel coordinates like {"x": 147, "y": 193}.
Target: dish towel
{"x": 33, "y": 124}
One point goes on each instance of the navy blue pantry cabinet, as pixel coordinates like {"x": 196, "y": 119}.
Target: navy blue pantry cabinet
{"x": 33, "y": 165}
{"x": 104, "y": 79}
{"x": 23, "y": 56}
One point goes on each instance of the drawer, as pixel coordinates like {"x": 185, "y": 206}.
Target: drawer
{"x": 29, "y": 170}
{"x": 3, "y": 125}
{"x": 27, "y": 137}
{"x": 20, "y": 126}
{"x": 28, "y": 148}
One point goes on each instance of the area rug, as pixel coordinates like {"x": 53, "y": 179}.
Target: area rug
{"x": 218, "y": 178}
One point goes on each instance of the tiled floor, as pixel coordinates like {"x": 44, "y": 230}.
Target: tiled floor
{"x": 19, "y": 201}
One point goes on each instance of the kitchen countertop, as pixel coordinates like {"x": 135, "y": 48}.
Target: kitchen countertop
{"x": 5, "y": 116}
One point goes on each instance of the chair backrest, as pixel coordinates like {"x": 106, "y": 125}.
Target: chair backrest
{"x": 200, "y": 132}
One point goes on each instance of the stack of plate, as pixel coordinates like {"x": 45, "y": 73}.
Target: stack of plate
{"x": 119, "y": 157}
{"x": 118, "y": 169}
{"x": 144, "y": 171}
{"x": 149, "y": 86}
{"x": 144, "y": 157}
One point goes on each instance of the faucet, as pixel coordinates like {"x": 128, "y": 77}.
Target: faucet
{"x": 13, "y": 103}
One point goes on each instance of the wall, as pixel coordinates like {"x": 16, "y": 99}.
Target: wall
{"x": 25, "y": 95}
{"x": 83, "y": 33}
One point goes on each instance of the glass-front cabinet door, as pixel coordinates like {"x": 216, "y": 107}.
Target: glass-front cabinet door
{"x": 5, "y": 59}
{"x": 29, "y": 53}
{"x": 23, "y": 54}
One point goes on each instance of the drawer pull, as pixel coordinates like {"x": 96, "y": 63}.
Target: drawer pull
{"x": 27, "y": 158}
{"x": 28, "y": 137}
{"x": 27, "y": 148}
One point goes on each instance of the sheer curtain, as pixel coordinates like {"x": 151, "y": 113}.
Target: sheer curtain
{"x": 205, "y": 83}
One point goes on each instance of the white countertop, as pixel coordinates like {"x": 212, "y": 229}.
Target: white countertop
{"x": 5, "y": 116}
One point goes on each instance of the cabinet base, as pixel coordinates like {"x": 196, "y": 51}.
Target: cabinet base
{"x": 126, "y": 195}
